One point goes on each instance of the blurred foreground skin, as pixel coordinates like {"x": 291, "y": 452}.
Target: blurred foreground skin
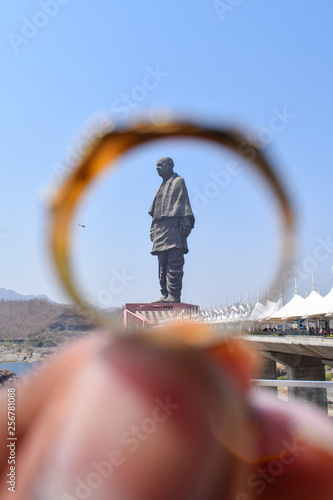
{"x": 146, "y": 417}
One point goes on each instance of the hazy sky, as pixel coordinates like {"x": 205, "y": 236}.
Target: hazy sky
{"x": 71, "y": 67}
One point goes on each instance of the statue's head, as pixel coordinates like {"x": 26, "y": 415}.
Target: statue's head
{"x": 164, "y": 167}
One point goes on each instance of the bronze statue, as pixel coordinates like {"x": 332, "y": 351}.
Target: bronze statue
{"x": 172, "y": 222}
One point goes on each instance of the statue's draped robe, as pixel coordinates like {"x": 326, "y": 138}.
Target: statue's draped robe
{"x": 170, "y": 209}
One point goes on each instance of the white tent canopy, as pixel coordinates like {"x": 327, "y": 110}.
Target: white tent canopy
{"x": 314, "y": 305}
{"x": 322, "y": 306}
{"x": 270, "y": 309}
{"x": 294, "y": 309}
{"x": 329, "y": 302}
{"x": 257, "y": 312}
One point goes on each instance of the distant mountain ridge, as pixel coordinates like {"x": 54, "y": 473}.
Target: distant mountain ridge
{"x": 12, "y": 295}
{"x": 42, "y": 323}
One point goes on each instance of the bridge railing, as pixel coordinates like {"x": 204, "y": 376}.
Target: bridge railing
{"x": 316, "y": 392}
{"x": 289, "y": 331}
{"x": 317, "y": 384}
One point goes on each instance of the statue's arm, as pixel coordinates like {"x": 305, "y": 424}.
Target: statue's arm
{"x": 185, "y": 226}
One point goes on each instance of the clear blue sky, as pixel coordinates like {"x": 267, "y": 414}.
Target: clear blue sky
{"x": 237, "y": 67}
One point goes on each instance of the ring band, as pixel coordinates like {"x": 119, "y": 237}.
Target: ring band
{"x": 112, "y": 145}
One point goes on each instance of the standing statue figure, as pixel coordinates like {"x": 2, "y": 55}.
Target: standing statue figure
{"x": 172, "y": 223}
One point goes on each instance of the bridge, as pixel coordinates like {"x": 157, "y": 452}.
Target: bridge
{"x": 304, "y": 357}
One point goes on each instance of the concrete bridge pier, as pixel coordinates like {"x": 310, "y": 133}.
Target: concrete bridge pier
{"x": 301, "y": 367}
{"x": 268, "y": 371}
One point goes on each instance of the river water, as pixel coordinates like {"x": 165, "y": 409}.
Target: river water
{"x": 19, "y": 368}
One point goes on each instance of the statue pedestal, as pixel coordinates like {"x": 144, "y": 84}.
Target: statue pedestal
{"x": 143, "y": 314}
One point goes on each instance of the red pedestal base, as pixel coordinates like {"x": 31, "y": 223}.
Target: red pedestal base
{"x": 142, "y": 314}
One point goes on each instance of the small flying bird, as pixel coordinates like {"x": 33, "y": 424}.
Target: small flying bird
{"x": 81, "y": 225}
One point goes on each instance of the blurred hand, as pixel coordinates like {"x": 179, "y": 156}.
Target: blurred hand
{"x": 146, "y": 417}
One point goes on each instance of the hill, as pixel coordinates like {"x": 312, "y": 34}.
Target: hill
{"x": 12, "y": 295}
{"x": 43, "y": 323}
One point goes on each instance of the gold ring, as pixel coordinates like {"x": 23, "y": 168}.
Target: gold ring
{"x": 113, "y": 144}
